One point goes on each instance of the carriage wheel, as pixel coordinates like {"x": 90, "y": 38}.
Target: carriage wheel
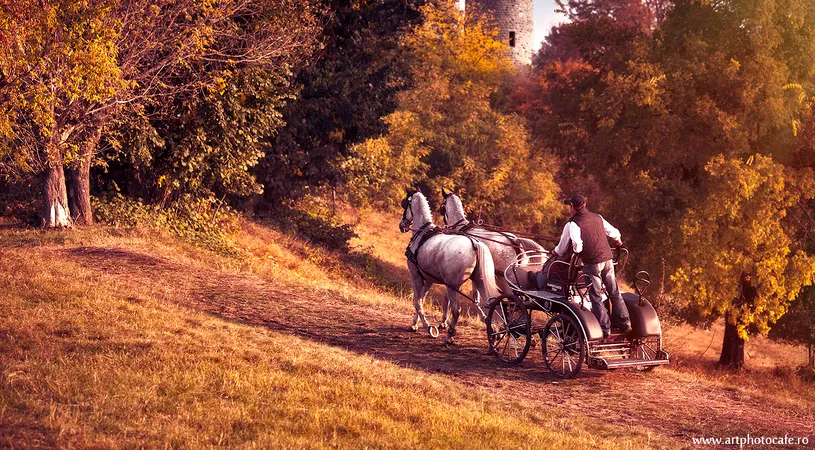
{"x": 645, "y": 348}
{"x": 563, "y": 346}
{"x": 508, "y": 329}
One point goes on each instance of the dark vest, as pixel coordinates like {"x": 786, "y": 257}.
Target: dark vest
{"x": 595, "y": 242}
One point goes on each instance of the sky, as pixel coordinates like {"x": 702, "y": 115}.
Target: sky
{"x": 545, "y": 17}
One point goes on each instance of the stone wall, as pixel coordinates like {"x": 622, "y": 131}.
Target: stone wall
{"x": 511, "y": 16}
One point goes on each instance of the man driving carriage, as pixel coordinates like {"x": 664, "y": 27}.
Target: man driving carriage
{"x": 586, "y": 232}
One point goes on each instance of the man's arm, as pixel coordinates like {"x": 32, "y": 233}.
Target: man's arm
{"x": 563, "y": 245}
{"x": 571, "y": 232}
{"x": 612, "y": 232}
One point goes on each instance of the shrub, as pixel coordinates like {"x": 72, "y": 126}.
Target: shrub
{"x": 207, "y": 222}
{"x": 313, "y": 219}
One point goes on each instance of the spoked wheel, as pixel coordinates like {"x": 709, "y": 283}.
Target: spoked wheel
{"x": 645, "y": 349}
{"x": 563, "y": 346}
{"x": 508, "y": 329}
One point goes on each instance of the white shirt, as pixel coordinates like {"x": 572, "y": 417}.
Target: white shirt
{"x": 571, "y": 232}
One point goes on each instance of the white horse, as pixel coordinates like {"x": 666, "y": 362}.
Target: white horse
{"x": 448, "y": 259}
{"x": 504, "y": 247}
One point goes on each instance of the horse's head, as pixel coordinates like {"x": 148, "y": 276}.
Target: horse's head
{"x": 407, "y": 214}
{"x": 451, "y": 208}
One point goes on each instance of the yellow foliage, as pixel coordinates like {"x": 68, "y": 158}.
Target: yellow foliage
{"x": 737, "y": 232}
{"x": 446, "y": 131}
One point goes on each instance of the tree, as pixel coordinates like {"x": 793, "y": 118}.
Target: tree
{"x": 345, "y": 93}
{"x": 108, "y": 62}
{"x": 58, "y": 58}
{"x": 447, "y": 121}
{"x": 738, "y": 254}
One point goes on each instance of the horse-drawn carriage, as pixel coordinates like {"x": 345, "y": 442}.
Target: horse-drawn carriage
{"x": 569, "y": 332}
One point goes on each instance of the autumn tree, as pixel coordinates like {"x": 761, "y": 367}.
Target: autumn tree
{"x": 85, "y": 68}
{"x": 351, "y": 84}
{"x": 738, "y": 255}
{"x": 448, "y": 131}
{"x": 58, "y": 60}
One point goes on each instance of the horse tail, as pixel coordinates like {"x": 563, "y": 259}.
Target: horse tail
{"x": 484, "y": 276}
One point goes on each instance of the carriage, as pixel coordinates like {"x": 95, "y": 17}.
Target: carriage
{"x": 560, "y": 314}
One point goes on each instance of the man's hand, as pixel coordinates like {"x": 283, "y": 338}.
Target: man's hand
{"x": 620, "y": 244}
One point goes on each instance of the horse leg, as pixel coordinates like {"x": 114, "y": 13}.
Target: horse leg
{"x": 420, "y": 288}
{"x": 452, "y": 297}
{"x": 445, "y": 303}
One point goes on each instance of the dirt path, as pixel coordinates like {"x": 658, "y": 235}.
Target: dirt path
{"x": 663, "y": 402}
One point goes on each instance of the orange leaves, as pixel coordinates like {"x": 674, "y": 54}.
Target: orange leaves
{"x": 447, "y": 130}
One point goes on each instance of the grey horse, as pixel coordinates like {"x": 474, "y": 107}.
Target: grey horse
{"x": 435, "y": 257}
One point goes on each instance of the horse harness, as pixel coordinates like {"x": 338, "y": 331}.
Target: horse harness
{"x": 465, "y": 230}
{"x": 423, "y": 235}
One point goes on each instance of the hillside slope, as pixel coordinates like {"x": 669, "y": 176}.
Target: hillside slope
{"x": 133, "y": 339}
{"x": 130, "y": 338}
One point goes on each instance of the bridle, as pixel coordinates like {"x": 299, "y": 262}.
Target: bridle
{"x": 407, "y": 204}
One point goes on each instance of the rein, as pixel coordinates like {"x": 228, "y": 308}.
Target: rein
{"x": 469, "y": 225}
{"x": 524, "y": 234}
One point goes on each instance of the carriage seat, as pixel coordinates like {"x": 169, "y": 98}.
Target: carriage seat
{"x": 560, "y": 276}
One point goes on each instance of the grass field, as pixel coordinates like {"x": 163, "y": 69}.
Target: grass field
{"x": 90, "y": 360}
{"x": 131, "y": 338}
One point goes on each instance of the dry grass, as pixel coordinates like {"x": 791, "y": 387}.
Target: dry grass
{"x": 89, "y": 361}
{"x": 130, "y": 338}
{"x": 379, "y": 231}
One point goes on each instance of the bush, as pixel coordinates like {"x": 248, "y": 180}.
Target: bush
{"x": 206, "y": 222}
{"x": 313, "y": 219}
{"x": 20, "y": 201}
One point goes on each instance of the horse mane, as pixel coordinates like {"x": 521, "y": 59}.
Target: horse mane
{"x": 459, "y": 205}
{"x": 427, "y": 215}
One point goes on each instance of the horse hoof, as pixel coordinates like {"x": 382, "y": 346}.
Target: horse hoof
{"x": 449, "y": 341}
{"x": 442, "y": 325}
{"x": 413, "y": 328}
{"x": 433, "y": 331}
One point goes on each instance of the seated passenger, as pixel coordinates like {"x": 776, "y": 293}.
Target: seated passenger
{"x": 554, "y": 273}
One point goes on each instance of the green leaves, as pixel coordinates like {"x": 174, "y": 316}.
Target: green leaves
{"x": 345, "y": 93}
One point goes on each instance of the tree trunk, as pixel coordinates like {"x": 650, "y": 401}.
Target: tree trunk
{"x": 732, "y": 347}
{"x": 79, "y": 191}
{"x": 79, "y": 182}
{"x": 55, "y": 212}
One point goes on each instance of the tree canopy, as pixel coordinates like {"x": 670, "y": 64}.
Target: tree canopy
{"x": 449, "y": 131}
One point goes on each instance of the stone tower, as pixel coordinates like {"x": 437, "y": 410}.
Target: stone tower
{"x": 514, "y": 19}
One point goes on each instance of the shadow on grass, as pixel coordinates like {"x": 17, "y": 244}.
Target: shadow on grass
{"x": 248, "y": 299}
